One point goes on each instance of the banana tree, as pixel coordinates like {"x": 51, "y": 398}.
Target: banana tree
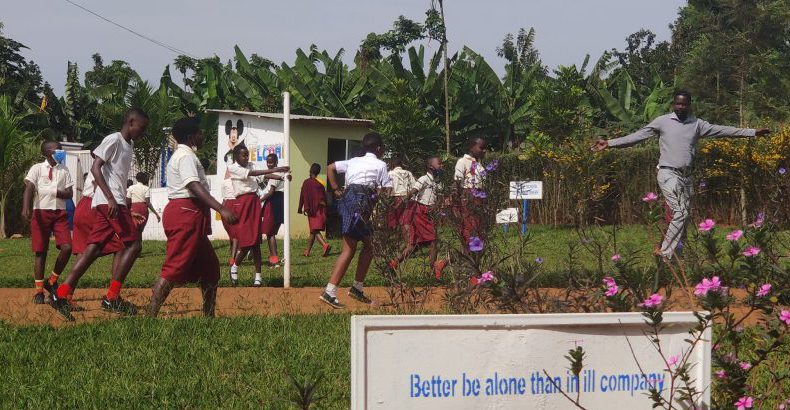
{"x": 18, "y": 151}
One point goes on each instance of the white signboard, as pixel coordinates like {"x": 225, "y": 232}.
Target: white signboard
{"x": 506, "y": 216}
{"x": 498, "y": 361}
{"x": 526, "y": 190}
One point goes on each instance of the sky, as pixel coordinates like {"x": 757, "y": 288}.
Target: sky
{"x": 57, "y": 31}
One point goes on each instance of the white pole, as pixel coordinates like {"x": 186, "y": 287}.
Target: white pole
{"x": 287, "y": 193}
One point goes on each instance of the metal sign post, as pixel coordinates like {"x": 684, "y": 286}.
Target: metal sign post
{"x": 287, "y": 193}
{"x": 525, "y": 190}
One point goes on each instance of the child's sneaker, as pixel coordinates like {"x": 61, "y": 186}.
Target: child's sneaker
{"x": 38, "y": 298}
{"x": 118, "y": 306}
{"x": 331, "y": 301}
{"x": 359, "y": 295}
{"x": 257, "y": 283}
{"x": 275, "y": 261}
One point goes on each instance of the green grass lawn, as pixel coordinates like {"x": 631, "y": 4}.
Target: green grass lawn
{"x": 549, "y": 243}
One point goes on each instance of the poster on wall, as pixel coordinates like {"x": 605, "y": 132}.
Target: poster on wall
{"x": 261, "y": 136}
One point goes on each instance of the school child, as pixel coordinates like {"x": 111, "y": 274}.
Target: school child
{"x": 402, "y": 182}
{"x": 111, "y": 216}
{"x": 189, "y": 256}
{"x": 229, "y": 201}
{"x": 423, "y": 230}
{"x": 468, "y": 178}
{"x": 273, "y": 208}
{"x": 47, "y": 186}
{"x": 366, "y": 178}
{"x": 312, "y": 203}
{"x": 138, "y": 199}
{"x": 247, "y": 207}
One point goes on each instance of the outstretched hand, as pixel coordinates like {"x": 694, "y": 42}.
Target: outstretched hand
{"x": 761, "y": 132}
{"x": 600, "y": 145}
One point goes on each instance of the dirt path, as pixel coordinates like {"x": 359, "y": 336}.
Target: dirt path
{"x": 16, "y": 306}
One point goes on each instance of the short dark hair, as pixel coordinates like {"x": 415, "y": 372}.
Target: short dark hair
{"x": 683, "y": 93}
{"x": 185, "y": 128}
{"x": 237, "y": 150}
{"x": 135, "y": 111}
{"x": 315, "y": 169}
{"x": 429, "y": 159}
{"x": 396, "y": 162}
{"x": 129, "y": 183}
{"x": 272, "y": 155}
{"x": 371, "y": 142}
{"x": 47, "y": 143}
{"x": 142, "y": 178}
{"x": 473, "y": 140}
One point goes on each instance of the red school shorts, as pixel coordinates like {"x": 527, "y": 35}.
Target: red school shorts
{"x": 189, "y": 256}
{"x": 140, "y": 208}
{"x": 83, "y": 224}
{"x": 105, "y": 228}
{"x": 44, "y": 223}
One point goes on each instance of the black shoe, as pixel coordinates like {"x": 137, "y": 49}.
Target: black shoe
{"x": 359, "y": 295}
{"x": 50, "y": 288}
{"x": 38, "y": 298}
{"x": 118, "y": 306}
{"x": 331, "y": 301}
{"x": 62, "y": 306}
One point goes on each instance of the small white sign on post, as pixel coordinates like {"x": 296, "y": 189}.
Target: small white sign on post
{"x": 526, "y": 190}
{"x": 517, "y": 361}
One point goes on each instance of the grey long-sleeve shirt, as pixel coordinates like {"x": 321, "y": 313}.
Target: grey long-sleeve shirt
{"x": 678, "y": 139}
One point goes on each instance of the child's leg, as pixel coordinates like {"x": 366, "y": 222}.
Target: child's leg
{"x": 161, "y": 290}
{"x": 256, "y": 258}
{"x": 365, "y": 258}
{"x": 343, "y": 260}
{"x": 209, "y": 291}
{"x": 62, "y": 260}
{"x": 272, "y": 245}
{"x": 127, "y": 257}
{"x": 310, "y": 241}
{"x": 432, "y": 252}
{"x": 234, "y": 248}
{"x": 320, "y": 238}
{"x": 39, "y": 262}
{"x": 241, "y": 254}
{"x": 92, "y": 251}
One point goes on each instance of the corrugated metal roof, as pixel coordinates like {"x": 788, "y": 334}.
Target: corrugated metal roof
{"x": 302, "y": 118}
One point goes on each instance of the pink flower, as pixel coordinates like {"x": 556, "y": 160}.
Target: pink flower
{"x": 612, "y": 290}
{"x": 609, "y": 281}
{"x": 486, "y": 277}
{"x": 744, "y": 403}
{"x": 734, "y": 235}
{"x": 655, "y": 300}
{"x": 751, "y": 251}
{"x": 721, "y": 374}
{"x": 649, "y": 197}
{"x": 765, "y": 289}
{"x": 616, "y": 257}
{"x": 708, "y": 285}
{"x": 706, "y": 225}
{"x": 785, "y": 316}
{"x": 673, "y": 360}
{"x": 746, "y": 365}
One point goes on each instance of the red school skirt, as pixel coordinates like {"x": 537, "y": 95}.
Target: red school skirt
{"x": 189, "y": 256}
{"x": 317, "y": 221}
{"x": 396, "y": 212}
{"x": 230, "y": 229}
{"x": 248, "y": 230}
{"x": 422, "y": 227}
{"x": 140, "y": 208}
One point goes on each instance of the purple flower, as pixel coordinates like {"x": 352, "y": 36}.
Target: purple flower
{"x": 758, "y": 223}
{"x": 475, "y": 244}
{"x": 721, "y": 374}
{"x": 479, "y": 194}
{"x": 652, "y": 301}
{"x": 706, "y": 225}
{"x": 734, "y": 235}
{"x": 492, "y": 166}
{"x": 708, "y": 285}
{"x": 751, "y": 251}
{"x": 744, "y": 403}
{"x": 650, "y": 197}
{"x": 486, "y": 277}
{"x": 538, "y": 260}
{"x": 782, "y": 171}
{"x": 765, "y": 289}
{"x": 702, "y": 184}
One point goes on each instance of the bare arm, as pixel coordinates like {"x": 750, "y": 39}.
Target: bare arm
{"x": 268, "y": 194}
{"x": 64, "y": 193}
{"x": 148, "y": 202}
{"x": 260, "y": 172}
{"x": 27, "y": 200}
{"x": 201, "y": 194}
{"x": 331, "y": 177}
{"x": 98, "y": 179}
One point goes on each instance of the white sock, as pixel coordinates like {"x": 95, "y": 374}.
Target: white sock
{"x": 358, "y": 285}
{"x": 258, "y": 277}
{"x": 234, "y": 268}
{"x": 331, "y": 290}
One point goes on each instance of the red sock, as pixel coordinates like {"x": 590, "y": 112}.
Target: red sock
{"x": 64, "y": 290}
{"x": 115, "y": 290}
{"x": 231, "y": 262}
{"x": 53, "y": 278}
{"x": 39, "y": 285}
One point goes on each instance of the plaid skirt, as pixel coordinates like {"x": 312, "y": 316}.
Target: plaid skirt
{"x": 354, "y": 209}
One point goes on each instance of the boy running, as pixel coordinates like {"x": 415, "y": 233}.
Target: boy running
{"x": 312, "y": 203}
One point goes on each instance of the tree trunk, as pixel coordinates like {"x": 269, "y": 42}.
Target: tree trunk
{"x": 3, "y": 199}
{"x": 446, "y": 76}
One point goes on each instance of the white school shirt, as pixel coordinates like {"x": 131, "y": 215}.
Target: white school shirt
{"x": 402, "y": 181}
{"x": 47, "y": 189}
{"x": 366, "y": 170}
{"x": 242, "y": 182}
{"x": 183, "y": 169}
{"x": 227, "y": 189}
{"x": 426, "y": 190}
{"x": 89, "y": 186}
{"x": 279, "y": 185}
{"x": 117, "y": 155}
{"x": 138, "y": 193}
{"x": 463, "y": 172}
